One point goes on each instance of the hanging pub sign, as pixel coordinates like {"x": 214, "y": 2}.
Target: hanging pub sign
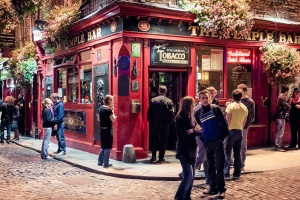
{"x": 170, "y": 54}
{"x": 242, "y": 56}
{"x": 7, "y": 40}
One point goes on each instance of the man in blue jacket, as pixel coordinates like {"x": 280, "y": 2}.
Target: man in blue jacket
{"x": 59, "y": 112}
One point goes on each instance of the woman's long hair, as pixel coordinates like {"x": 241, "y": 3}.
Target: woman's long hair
{"x": 187, "y": 105}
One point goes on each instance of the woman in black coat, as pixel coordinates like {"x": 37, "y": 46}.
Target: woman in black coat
{"x": 186, "y": 131}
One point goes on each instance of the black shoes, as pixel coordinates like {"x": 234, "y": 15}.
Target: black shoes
{"x": 280, "y": 149}
{"x": 161, "y": 160}
{"x": 211, "y": 192}
{"x": 107, "y": 166}
{"x": 153, "y": 159}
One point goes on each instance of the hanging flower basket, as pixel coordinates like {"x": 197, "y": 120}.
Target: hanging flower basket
{"x": 7, "y": 17}
{"x": 23, "y": 65}
{"x": 281, "y": 62}
{"x": 225, "y": 17}
{"x": 59, "y": 21}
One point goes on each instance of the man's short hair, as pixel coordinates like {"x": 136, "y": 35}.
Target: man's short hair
{"x": 243, "y": 87}
{"x": 204, "y": 92}
{"x": 162, "y": 89}
{"x": 284, "y": 89}
{"x": 237, "y": 95}
{"x": 55, "y": 96}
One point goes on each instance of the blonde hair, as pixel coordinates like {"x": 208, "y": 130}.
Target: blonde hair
{"x": 9, "y": 99}
{"x": 46, "y": 102}
{"x": 212, "y": 89}
{"x": 55, "y": 95}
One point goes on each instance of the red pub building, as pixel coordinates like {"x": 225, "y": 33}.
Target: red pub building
{"x": 129, "y": 49}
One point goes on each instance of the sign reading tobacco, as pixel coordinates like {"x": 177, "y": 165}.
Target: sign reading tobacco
{"x": 166, "y": 54}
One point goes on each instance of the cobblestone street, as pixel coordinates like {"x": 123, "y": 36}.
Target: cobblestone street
{"x": 25, "y": 176}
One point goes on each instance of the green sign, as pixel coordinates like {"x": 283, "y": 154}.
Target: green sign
{"x": 136, "y": 50}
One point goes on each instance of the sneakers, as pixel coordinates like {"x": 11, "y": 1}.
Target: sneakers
{"x": 47, "y": 158}
{"x": 221, "y": 195}
{"x": 61, "y": 153}
{"x": 107, "y": 166}
{"x": 210, "y": 191}
{"x": 280, "y": 149}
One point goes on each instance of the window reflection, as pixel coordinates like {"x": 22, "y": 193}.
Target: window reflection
{"x": 73, "y": 85}
{"x": 86, "y": 86}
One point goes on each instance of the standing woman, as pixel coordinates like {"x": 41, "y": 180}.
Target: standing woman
{"x": 106, "y": 117}
{"x": 295, "y": 119}
{"x": 186, "y": 131}
{"x": 8, "y": 110}
{"x": 47, "y": 114}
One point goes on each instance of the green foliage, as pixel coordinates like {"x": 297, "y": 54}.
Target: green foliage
{"x": 7, "y": 17}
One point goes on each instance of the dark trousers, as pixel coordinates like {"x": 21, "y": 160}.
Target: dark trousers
{"x": 295, "y": 128}
{"x": 185, "y": 188}
{"x": 60, "y": 136}
{"x": 159, "y": 139}
{"x": 215, "y": 159}
{"x": 233, "y": 142}
{"x": 21, "y": 123}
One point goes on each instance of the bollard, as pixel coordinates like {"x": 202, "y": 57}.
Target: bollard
{"x": 128, "y": 154}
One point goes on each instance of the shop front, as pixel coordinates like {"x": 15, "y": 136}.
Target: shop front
{"x": 129, "y": 54}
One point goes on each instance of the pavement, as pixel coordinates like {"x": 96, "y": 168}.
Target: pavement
{"x": 258, "y": 160}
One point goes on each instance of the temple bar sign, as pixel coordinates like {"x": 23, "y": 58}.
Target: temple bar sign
{"x": 165, "y": 54}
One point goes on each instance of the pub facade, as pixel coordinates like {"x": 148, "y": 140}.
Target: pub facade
{"x": 128, "y": 50}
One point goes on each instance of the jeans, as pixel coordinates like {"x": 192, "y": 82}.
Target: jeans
{"x": 280, "y": 131}
{"x": 46, "y": 142}
{"x": 61, "y": 137}
{"x": 8, "y": 130}
{"x": 185, "y": 187}
{"x": 201, "y": 158}
{"x": 233, "y": 142}
{"x": 215, "y": 159}
{"x": 244, "y": 147}
{"x": 104, "y": 157}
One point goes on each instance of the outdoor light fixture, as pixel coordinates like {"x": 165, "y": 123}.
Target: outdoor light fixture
{"x": 135, "y": 70}
{"x": 115, "y": 66}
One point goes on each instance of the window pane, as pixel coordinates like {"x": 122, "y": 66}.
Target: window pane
{"x": 62, "y": 83}
{"x": 209, "y": 70}
{"x": 238, "y": 69}
{"x": 86, "y": 86}
{"x": 73, "y": 85}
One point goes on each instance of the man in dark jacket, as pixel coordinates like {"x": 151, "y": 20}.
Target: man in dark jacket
{"x": 160, "y": 116}
{"x": 21, "y": 121}
{"x": 214, "y": 130}
{"x": 7, "y": 110}
{"x": 58, "y": 119}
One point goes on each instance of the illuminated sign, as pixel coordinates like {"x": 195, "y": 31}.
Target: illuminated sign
{"x": 239, "y": 56}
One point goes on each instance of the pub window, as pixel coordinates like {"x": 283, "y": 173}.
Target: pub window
{"x": 62, "y": 83}
{"x": 239, "y": 64}
{"x": 49, "y": 65}
{"x": 86, "y": 84}
{"x": 85, "y": 55}
{"x": 58, "y": 62}
{"x": 72, "y": 84}
{"x": 69, "y": 58}
{"x": 209, "y": 69}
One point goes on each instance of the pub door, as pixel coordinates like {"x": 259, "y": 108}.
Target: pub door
{"x": 176, "y": 83}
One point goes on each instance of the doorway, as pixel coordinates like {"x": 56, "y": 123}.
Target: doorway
{"x": 176, "y": 83}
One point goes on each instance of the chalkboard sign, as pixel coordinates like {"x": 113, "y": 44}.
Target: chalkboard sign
{"x": 237, "y": 74}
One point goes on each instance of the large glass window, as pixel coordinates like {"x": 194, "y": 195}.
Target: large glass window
{"x": 86, "y": 84}
{"x": 73, "y": 85}
{"x": 209, "y": 70}
{"x": 239, "y": 64}
{"x": 62, "y": 83}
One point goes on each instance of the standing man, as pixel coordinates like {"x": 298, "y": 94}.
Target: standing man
{"x": 214, "y": 130}
{"x": 59, "y": 112}
{"x": 21, "y": 121}
{"x": 282, "y": 108}
{"x": 249, "y": 103}
{"x": 236, "y": 116}
{"x": 160, "y": 116}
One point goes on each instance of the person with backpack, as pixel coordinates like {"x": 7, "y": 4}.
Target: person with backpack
{"x": 214, "y": 130}
{"x": 8, "y": 110}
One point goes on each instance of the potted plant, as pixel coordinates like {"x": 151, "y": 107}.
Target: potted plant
{"x": 225, "y": 17}
{"x": 281, "y": 62}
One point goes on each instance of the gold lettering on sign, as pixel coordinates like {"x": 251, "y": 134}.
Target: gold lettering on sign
{"x": 81, "y": 38}
{"x": 269, "y": 37}
{"x": 89, "y": 36}
{"x": 194, "y": 30}
{"x": 98, "y": 32}
{"x": 261, "y": 37}
{"x": 255, "y": 35}
{"x": 214, "y": 34}
{"x": 247, "y": 36}
{"x": 290, "y": 39}
{"x": 297, "y": 39}
{"x": 94, "y": 34}
{"x": 282, "y": 38}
